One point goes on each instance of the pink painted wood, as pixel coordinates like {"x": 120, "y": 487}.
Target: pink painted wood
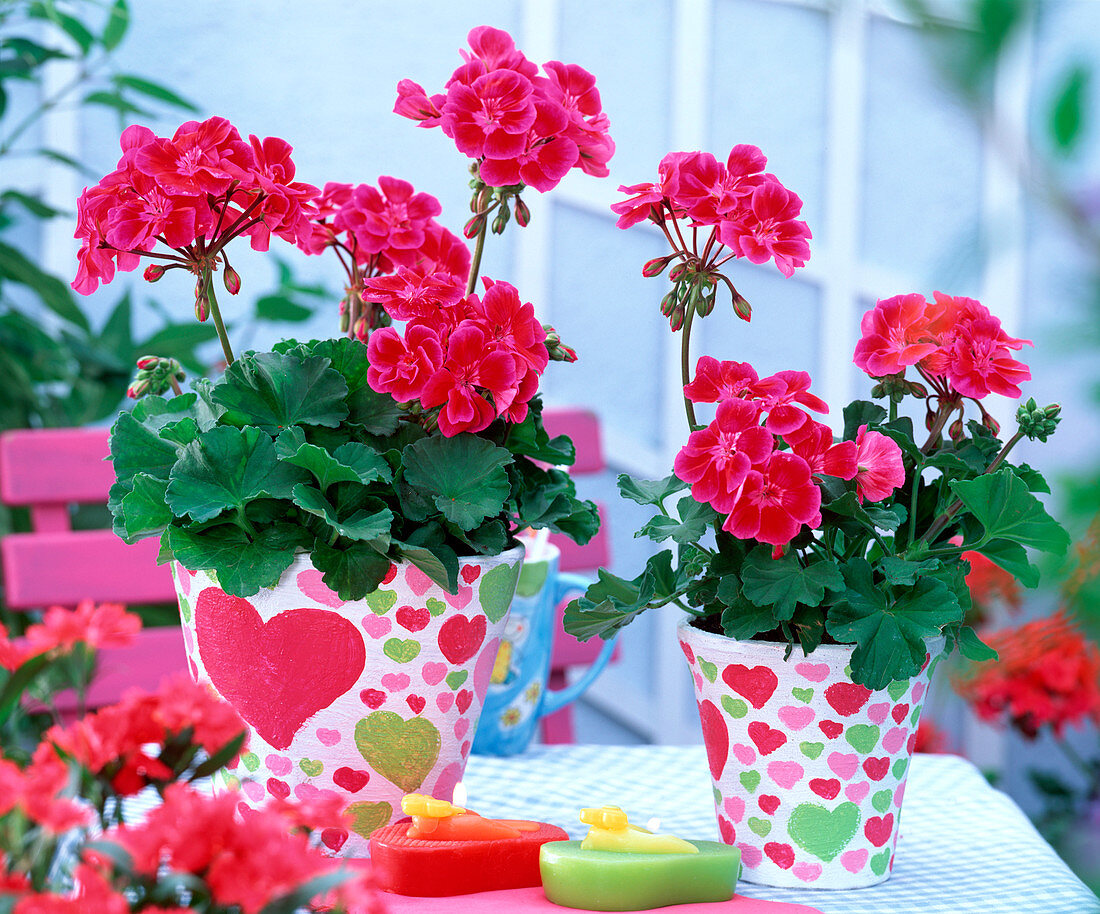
{"x": 47, "y": 471}
{"x": 583, "y": 427}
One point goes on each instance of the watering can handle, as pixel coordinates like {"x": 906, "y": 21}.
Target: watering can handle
{"x": 556, "y": 700}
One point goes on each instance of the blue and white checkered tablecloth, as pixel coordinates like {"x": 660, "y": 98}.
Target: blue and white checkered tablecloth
{"x": 963, "y": 847}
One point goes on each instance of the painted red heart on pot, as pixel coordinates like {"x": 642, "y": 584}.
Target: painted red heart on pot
{"x": 757, "y": 684}
{"x": 716, "y": 737}
{"x": 416, "y": 703}
{"x": 688, "y": 652}
{"x": 899, "y": 713}
{"x": 372, "y": 698}
{"x": 768, "y": 803}
{"x": 463, "y": 699}
{"x": 782, "y": 855}
{"x": 460, "y": 637}
{"x": 729, "y": 833}
{"x": 350, "y": 779}
{"x": 826, "y": 788}
{"x": 847, "y": 698}
{"x": 470, "y": 573}
{"x": 876, "y": 768}
{"x": 878, "y": 829}
{"x": 413, "y": 619}
{"x": 280, "y": 673}
{"x": 831, "y": 728}
{"x": 767, "y": 738}
{"x": 334, "y": 838}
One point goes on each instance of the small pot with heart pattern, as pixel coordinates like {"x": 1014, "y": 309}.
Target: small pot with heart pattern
{"x": 809, "y": 768}
{"x": 365, "y": 699}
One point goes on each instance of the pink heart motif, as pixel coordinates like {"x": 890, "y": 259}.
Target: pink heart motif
{"x": 894, "y": 739}
{"x": 184, "y": 578}
{"x": 796, "y": 717}
{"x": 698, "y": 681}
{"x": 918, "y": 691}
{"x": 395, "y": 682}
{"x": 746, "y": 755}
{"x": 461, "y": 599}
{"x": 898, "y": 794}
{"x": 433, "y": 673}
{"x": 278, "y": 765}
{"x": 856, "y": 792}
{"x": 815, "y": 672}
{"x": 807, "y": 872}
{"x": 376, "y": 626}
{"x": 444, "y": 700}
{"x": 307, "y": 793}
{"x": 448, "y": 778}
{"x": 854, "y": 861}
{"x": 328, "y": 737}
{"x": 877, "y": 713}
{"x": 418, "y": 581}
{"x": 843, "y": 765}
{"x": 252, "y": 790}
{"x": 484, "y": 666}
{"x": 734, "y": 807}
{"x": 785, "y": 774}
{"x": 461, "y": 726}
{"x": 750, "y": 856}
{"x": 311, "y": 585}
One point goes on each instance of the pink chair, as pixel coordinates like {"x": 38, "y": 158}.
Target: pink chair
{"x": 48, "y": 471}
{"x": 584, "y": 428}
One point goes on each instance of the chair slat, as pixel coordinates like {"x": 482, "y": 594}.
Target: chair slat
{"x": 583, "y": 427}
{"x": 55, "y": 466}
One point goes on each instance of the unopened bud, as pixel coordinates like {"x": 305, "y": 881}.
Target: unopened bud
{"x": 992, "y": 424}
{"x": 232, "y": 280}
{"x": 1038, "y": 422}
{"x": 345, "y": 316}
{"x": 677, "y": 272}
{"x": 955, "y": 430}
{"x": 475, "y": 226}
{"x": 523, "y": 213}
{"x": 558, "y": 351}
{"x": 707, "y": 298}
{"x": 362, "y": 329}
{"x": 657, "y": 265}
{"x": 676, "y": 318}
{"x": 148, "y": 361}
{"x": 668, "y": 303}
{"x": 153, "y": 272}
{"x": 138, "y": 389}
{"x": 741, "y": 307}
{"x": 202, "y": 308}
{"x": 500, "y": 220}
{"x": 480, "y": 201}
{"x": 918, "y": 390}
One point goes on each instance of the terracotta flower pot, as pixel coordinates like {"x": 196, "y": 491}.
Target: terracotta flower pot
{"x": 809, "y": 768}
{"x": 368, "y": 699}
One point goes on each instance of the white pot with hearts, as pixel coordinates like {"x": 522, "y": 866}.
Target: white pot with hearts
{"x": 809, "y": 768}
{"x": 366, "y": 699}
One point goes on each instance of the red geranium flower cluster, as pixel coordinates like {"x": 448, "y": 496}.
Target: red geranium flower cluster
{"x": 519, "y": 126}
{"x": 382, "y": 231}
{"x": 750, "y": 213}
{"x": 757, "y": 460}
{"x": 95, "y": 625}
{"x": 114, "y": 743}
{"x": 474, "y": 358}
{"x": 956, "y": 344}
{"x": 1047, "y": 675}
{"x": 41, "y": 793}
{"x": 738, "y": 463}
{"x": 192, "y": 193}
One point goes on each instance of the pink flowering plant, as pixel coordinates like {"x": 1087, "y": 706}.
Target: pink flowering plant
{"x": 418, "y": 441}
{"x": 785, "y": 532}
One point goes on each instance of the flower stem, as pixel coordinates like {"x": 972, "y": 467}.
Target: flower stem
{"x": 215, "y": 312}
{"x": 475, "y": 264}
{"x": 685, "y": 364}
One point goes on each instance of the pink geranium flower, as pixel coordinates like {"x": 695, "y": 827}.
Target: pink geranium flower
{"x": 410, "y": 293}
{"x": 491, "y": 117}
{"x": 402, "y": 366}
{"x": 413, "y": 103}
{"x": 825, "y": 457}
{"x": 981, "y": 363}
{"x": 775, "y": 501}
{"x": 768, "y": 227}
{"x": 469, "y": 375}
{"x": 717, "y": 459}
{"x": 880, "y": 468}
{"x": 896, "y": 334}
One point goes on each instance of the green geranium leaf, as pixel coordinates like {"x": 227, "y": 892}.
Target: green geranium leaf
{"x": 243, "y": 565}
{"x": 650, "y": 492}
{"x": 181, "y": 432}
{"x": 1012, "y": 557}
{"x": 613, "y": 602}
{"x": 1007, "y": 510}
{"x": 741, "y": 618}
{"x": 899, "y": 571}
{"x": 465, "y": 476}
{"x": 366, "y": 519}
{"x": 438, "y": 561}
{"x": 274, "y": 391}
{"x": 861, "y": 412}
{"x": 156, "y": 412}
{"x": 530, "y": 439}
{"x": 973, "y": 648}
{"x": 784, "y": 582}
{"x": 547, "y": 499}
{"x": 352, "y": 571}
{"x": 207, "y": 412}
{"x": 889, "y": 632}
{"x": 227, "y": 467}
{"x": 869, "y": 516}
{"x": 694, "y": 520}
{"x": 137, "y": 449}
{"x": 900, "y": 431}
{"x": 1033, "y": 479}
{"x": 349, "y": 463}
{"x": 143, "y": 511}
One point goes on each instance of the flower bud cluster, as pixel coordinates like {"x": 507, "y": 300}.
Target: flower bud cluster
{"x": 155, "y": 376}
{"x": 1038, "y": 422}
{"x": 897, "y": 387}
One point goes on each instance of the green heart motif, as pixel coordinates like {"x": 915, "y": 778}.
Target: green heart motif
{"x": 531, "y": 579}
{"x": 899, "y": 767}
{"x": 710, "y": 670}
{"x": 762, "y": 827}
{"x": 803, "y": 695}
{"x": 823, "y": 833}
{"x": 231, "y": 780}
{"x": 897, "y": 688}
{"x": 381, "y": 601}
{"x": 848, "y": 671}
{"x": 185, "y": 609}
{"x": 401, "y": 651}
{"x": 750, "y": 780}
{"x": 811, "y": 750}
{"x": 250, "y": 760}
{"x": 368, "y": 817}
{"x": 402, "y": 751}
{"x": 880, "y": 861}
{"x": 862, "y": 737}
{"x": 717, "y": 796}
{"x": 914, "y": 716}
{"x": 881, "y": 800}
{"x": 932, "y": 666}
{"x": 735, "y": 707}
{"x": 455, "y": 679}
{"x": 498, "y": 586}
{"x": 311, "y": 767}
{"x": 436, "y": 607}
